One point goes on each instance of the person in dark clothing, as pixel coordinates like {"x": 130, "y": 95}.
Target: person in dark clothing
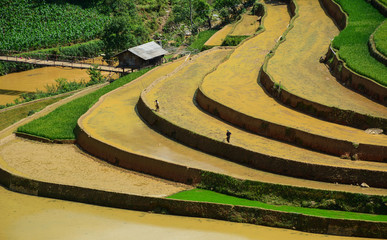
{"x": 228, "y": 135}
{"x": 157, "y": 105}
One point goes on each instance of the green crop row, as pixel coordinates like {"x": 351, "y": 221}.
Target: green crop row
{"x": 60, "y": 124}
{"x": 380, "y": 38}
{"x": 28, "y": 25}
{"x": 201, "y": 195}
{"x": 201, "y": 38}
{"x": 352, "y": 42}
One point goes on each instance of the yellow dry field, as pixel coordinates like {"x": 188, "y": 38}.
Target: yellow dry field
{"x": 66, "y": 164}
{"x": 114, "y": 120}
{"x": 218, "y": 38}
{"x": 247, "y": 26}
{"x": 296, "y": 63}
{"x": 13, "y": 84}
{"x": 176, "y": 105}
{"x": 234, "y": 84}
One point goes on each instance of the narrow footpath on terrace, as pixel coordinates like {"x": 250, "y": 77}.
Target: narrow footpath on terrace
{"x": 234, "y": 85}
{"x": 296, "y": 63}
{"x": 114, "y": 120}
{"x": 67, "y": 164}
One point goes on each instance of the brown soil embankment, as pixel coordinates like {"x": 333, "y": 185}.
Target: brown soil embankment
{"x": 314, "y": 29}
{"x": 195, "y": 209}
{"x": 179, "y": 119}
{"x": 231, "y": 92}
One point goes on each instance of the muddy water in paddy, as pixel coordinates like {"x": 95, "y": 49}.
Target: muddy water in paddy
{"x": 37, "y": 218}
{"x": 12, "y": 85}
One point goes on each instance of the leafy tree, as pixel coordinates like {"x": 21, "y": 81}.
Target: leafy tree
{"x": 232, "y": 4}
{"x": 121, "y": 33}
{"x": 203, "y": 11}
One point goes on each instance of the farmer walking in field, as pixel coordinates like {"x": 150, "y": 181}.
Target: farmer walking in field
{"x": 157, "y": 105}
{"x": 228, "y": 135}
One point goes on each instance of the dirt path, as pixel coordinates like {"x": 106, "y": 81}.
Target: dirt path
{"x": 234, "y": 84}
{"x": 296, "y": 63}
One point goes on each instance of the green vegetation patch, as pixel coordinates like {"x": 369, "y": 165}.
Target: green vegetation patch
{"x": 201, "y": 195}
{"x": 233, "y": 40}
{"x": 380, "y": 38}
{"x": 352, "y": 41}
{"x": 13, "y": 115}
{"x": 277, "y": 194}
{"x": 201, "y": 39}
{"x": 60, "y": 124}
{"x": 28, "y": 24}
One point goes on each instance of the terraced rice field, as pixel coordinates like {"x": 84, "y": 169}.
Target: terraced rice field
{"x": 67, "y": 164}
{"x": 218, "y": 38}
{"x": 228, "y": 76}
{"x": 234, "y": 84}
{"x": 247, "y": 26}
{"x": 114, "y": 120}
{"x": 176, "y": 93}
{"x": 296, "y": 64}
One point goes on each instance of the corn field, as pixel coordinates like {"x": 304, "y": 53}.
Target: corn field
{"x": 27, "y": 25}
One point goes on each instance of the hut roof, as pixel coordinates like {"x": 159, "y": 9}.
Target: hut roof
{"x": 147, "y": 51}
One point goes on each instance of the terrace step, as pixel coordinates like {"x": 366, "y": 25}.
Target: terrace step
{"x": 114, "y": 122}
{"x": 231, "y": 93}
{"x": 180, "y": 119}
{"x": 296, "y": 68}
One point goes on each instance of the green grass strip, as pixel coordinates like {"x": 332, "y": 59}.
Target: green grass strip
{"x": 201, "y": 39}
{"x": 60, "y": 123}
{"x": 352, "y": 41}
{"x": 202, "y": 195}
{"x": 13, "y": 115}
{"x": 380, "y": 38}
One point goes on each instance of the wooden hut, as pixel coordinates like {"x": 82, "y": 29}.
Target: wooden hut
{"x": 148, "y": 54}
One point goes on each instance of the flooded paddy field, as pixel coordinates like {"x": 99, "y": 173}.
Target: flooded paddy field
{"x": 14, "y": 84}
{"x": 37, "y": 218}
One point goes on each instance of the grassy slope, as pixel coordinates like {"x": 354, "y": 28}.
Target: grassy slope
{"x": 201, "y": 39}
{"x": 380, "y": 38}
{"x": 352, "y": 41}
{"x": 13, "y": 115}
{"x": 209, "y": 196}
{"x": 60, "y": 124}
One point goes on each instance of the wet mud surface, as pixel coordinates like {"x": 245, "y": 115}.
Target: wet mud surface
{"x": 37, "y": 218}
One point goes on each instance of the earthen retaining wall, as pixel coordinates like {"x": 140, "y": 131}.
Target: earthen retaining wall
{"x": 257, "y": 160}
{"x": 195, "y": 209}
{"x": 343, "y": 74}
{"x": 298, "y": 137}
{"x": 374, "y": 51}
{"x": 332, "y": 114}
